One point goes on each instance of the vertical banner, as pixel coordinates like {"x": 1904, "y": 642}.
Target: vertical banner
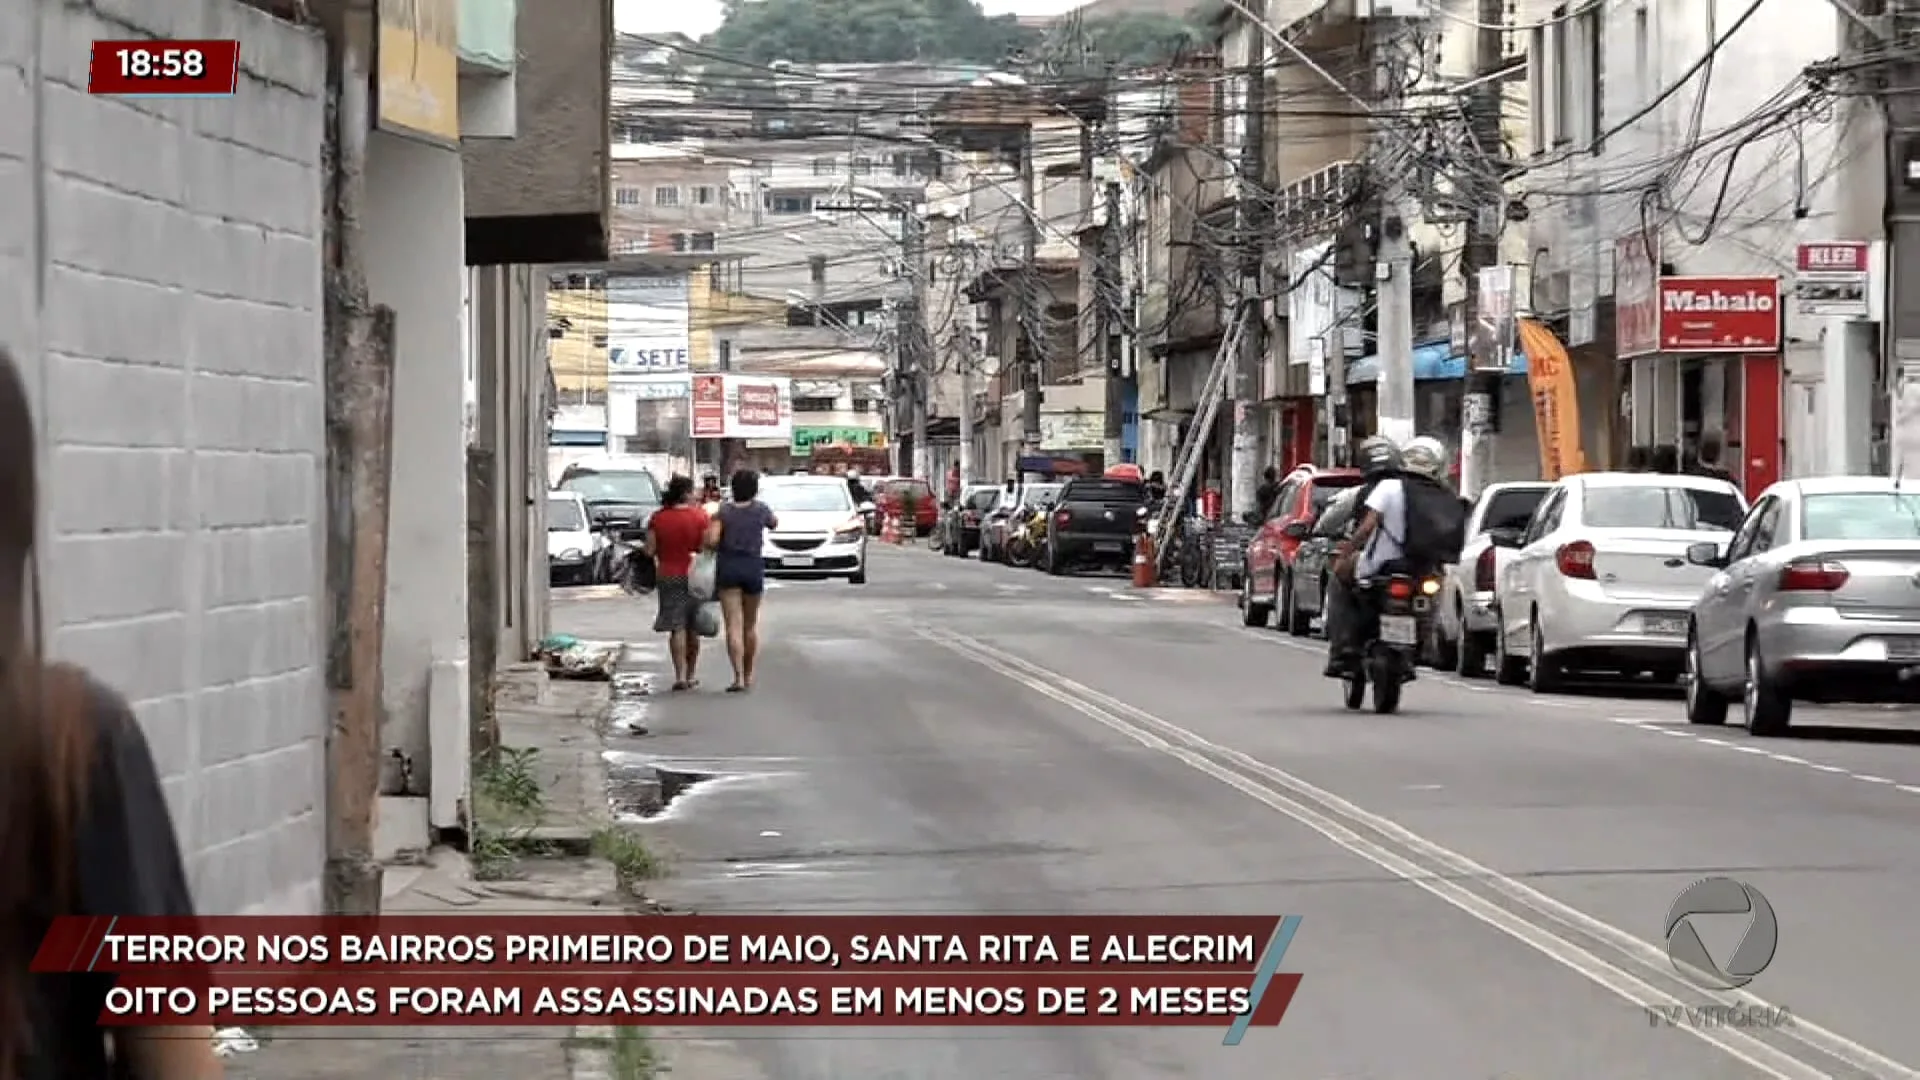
{"x": 416, "y": 90}
{"x": 1317, "y": 307}
{"x": 1556, "y": 402}
{"x": 1636, "y": 295}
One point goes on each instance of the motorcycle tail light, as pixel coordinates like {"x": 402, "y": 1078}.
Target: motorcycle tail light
{"x": 1400, "y": 589}
{"x": 1063, "y": 518}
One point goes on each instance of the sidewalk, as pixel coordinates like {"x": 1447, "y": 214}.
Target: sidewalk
{"x": 534, "y": 861}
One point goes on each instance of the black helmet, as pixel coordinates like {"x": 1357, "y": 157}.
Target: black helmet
{"x": 1378, "y": 455}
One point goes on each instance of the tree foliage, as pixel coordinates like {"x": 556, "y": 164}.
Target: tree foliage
{"x": 869, "y": 31}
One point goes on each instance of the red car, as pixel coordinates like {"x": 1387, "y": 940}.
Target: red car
{"x": 1266, "y": 586}
{"x": 926, "y": 507}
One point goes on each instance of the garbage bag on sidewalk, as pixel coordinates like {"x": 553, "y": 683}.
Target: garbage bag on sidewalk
{"x": 702, "y": 579}
{"x": 706, "y": 619}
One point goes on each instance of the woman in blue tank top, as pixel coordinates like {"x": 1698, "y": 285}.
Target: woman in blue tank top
{"x": 739, "y": 529}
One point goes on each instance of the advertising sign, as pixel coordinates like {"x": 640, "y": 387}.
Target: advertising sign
{"x": 1317, "y": 308}
{"x": 1636, "y": 295}
{"x": 1832, "y": 279}
{"x": 806, "y": 438}
{"x": 652, "y": 356}
{"x": 1492, "y": 338}
{"x": 1719, "y": 314}
{"x": 416, "y": 87}
{"x": 742, "y": 407}
{"x": 1082, "y": 430}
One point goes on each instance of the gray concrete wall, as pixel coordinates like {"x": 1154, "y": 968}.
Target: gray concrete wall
{"x": 160, "y": 281}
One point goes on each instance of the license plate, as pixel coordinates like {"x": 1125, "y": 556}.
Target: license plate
{"x": 1396, "y": 629}
{"x": 1107, "y": 545}
{"x": 1903, "y": 648}
{"x": 799, "y": 560}
{"x": 1667, "y": 625}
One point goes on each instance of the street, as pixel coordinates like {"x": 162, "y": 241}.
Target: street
{"x": 1484, "y": 878}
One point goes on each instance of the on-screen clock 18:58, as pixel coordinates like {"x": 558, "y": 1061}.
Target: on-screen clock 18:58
{"x": 164, "y": 68}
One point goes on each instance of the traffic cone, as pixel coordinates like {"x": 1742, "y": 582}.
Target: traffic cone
{"x": 1146, "y": 568}
{"x": 890, "y": 531}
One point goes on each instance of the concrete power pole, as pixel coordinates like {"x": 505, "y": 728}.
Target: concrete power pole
{"x": 1113, "y": 327}
{"x": 1482, "y": 247}
{"x": 1245, "y": 475}
{"x": 1394, "y": 280}
{"x": 1900, "y": 96}
{"x": 915, "y": 355}
{"x": 966, "y": 361}
{"x": 1032, "y": 331}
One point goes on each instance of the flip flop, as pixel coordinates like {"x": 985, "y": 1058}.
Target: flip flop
{"x": 679, "y": 686}
{"x": 736, "y": 688}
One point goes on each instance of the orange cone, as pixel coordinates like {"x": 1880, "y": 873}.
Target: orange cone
{"x": 890, "y": 531}
{"x": 1146, "y": 569}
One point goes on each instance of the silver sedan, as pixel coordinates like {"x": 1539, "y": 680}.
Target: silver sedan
{"x": 1815, "y": 598}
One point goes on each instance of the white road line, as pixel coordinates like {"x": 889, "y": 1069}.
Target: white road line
{"x": 1337, "y": 820}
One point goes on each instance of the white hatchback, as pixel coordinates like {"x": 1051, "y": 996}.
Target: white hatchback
{"x": 1600, "y": 580}
{"x": 821, "y": 533}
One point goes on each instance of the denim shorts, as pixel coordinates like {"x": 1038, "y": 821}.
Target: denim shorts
{"x": 746, "y": 573}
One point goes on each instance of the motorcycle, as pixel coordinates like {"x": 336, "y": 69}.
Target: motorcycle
{"x": 1027, "y": 538}
{"x": 1400, "y": 605}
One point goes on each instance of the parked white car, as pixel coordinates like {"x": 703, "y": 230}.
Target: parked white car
{"x": 1600, "y": 581}
{"x": 821, "y": 534}
{"x": 1465, "y": 629}
{"x": 1815, "y": 598}
{"x": 576, "y": 554}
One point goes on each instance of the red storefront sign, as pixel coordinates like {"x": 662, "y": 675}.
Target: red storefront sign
{"x": 759, "y": 406}
{"x": 1719, "y": 314}
{"x": 709, "y": 406}
{"x": 1835, "y": 257}
{"x": 1636, "y": 295}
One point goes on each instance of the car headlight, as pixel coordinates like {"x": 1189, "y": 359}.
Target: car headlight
{"x": 572, "y": 555}
{"x": 847, "y": 534}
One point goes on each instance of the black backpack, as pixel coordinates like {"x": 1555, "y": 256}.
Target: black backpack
{"x": 1436, "y": 524}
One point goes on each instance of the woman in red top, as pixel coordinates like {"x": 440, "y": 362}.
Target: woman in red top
{"x": 674, "y": 535}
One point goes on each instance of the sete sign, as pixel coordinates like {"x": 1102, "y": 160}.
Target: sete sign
{"x": 1719, "y": 314}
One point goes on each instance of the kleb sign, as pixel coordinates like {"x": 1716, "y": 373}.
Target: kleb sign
{"x": 1719, "y": 314}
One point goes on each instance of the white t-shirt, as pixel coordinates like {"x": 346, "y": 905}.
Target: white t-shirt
{"x": 1388, "y": 499}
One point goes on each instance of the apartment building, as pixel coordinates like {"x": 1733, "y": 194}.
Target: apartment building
{"x": 1731, "y": 180}
{"x": 669, "y": 199}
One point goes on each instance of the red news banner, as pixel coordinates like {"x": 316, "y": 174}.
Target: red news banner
{"x": 958, "y": 971}
{"x": 164, "y": 68}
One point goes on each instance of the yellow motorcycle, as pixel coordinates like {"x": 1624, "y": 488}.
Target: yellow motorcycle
{"x": 1028, "y": 538}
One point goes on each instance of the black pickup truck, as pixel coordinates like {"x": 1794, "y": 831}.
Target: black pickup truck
{"x": 1093, "y": 523}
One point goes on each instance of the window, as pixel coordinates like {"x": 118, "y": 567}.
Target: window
{"x": 1512, "y": 508}
{"x": 701, "y": 241}
{"x": 555, "y": 333}
{"x": 1560, "y": 58}
{"x": 666, "y": 196}
{"x": 563, "y": 515}
{"x": 599, "y": 341}
{"x": 1874, "y": 515}
{"x": 825, "y": 166}
{"x": 1661, "y": 508}
{"x": 862, "y": 166}
{"x": 626, "y": 196}
{"x": 902, "y": 165}
{"x": 789, "y": 204}
{"x": 813, "y": 404}
{"x": 679, "y": 241}
{"x": 863, "y": 405}
{"x": 817, "y": 269}
{"x": 703, "y": 195}
{"x": 1642, "y": 58}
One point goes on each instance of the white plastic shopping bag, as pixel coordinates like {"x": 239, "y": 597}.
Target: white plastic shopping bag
{"x": 700, "y": 580}
{"x": 706, "y": 619}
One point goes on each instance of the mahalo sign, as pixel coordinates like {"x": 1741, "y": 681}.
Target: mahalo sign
{"x": 742, "y": 407}
{"x": 1719, "y": 314}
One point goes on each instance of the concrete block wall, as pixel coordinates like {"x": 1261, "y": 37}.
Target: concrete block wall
{"x": 160, "y": 280}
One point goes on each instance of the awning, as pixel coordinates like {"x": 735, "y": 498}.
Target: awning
{"x": 1431, "y": 360}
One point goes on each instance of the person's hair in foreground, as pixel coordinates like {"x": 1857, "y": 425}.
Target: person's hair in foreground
{"x": 76, "y": 781}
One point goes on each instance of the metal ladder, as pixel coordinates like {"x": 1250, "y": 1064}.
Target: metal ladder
{"x": 1186, "y": 462}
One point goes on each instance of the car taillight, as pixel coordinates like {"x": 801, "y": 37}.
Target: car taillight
{"x": 1575, "y": 560}
{"x": 1400, "y": 589}
{"x": 1812, "y": 575}
{"x": 970, "y": 517}
{"x": 1483, "y": 568}
{"x": 1063, "y": 518}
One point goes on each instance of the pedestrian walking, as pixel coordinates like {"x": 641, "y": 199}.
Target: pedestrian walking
{"x": 84, "y": 828}
{"x": 736, "y": 535}
{"x": 674, "y": 536}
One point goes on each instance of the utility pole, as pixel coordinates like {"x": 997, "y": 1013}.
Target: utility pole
{"x": 1244, "y": 479}
{"x": 1033, "y": 331}
{"x": 913, "y": 340}
{"x": 1113, "y": 327}
{"x": 1899, "y": 92}
{"x": 1482, "y": 248}
{"x": 359, "y": 415}
{"x": 967, "y": 360}
{"x": 1394, "y": 281}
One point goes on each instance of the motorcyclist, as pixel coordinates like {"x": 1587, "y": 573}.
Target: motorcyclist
{"x": 1425, "y": 456}
{"x": 1374, "y": 546}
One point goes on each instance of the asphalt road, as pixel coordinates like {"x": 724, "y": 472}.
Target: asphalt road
{"x": 1483, "y": 878}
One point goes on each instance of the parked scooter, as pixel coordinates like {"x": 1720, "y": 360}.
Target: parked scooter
{"x": 1401, "y": 604}
{"x": 1028, "y": 539}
